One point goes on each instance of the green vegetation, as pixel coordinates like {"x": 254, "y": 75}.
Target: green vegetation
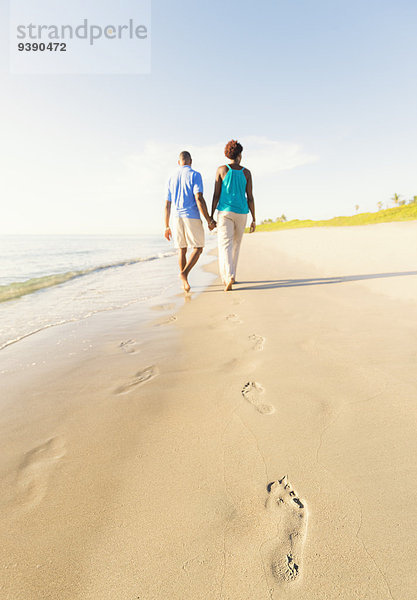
{"x": 400, "y": 212}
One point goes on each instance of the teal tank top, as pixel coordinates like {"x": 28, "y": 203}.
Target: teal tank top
{"x": 233, "y": 194}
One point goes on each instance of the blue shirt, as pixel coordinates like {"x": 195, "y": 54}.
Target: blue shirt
{"x": 182, "y": 187}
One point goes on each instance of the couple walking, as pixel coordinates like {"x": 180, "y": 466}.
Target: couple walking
{"x": 232, "y": 198}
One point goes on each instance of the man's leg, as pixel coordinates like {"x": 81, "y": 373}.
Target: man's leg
{"x": 182, "y": 254}
{"x": 180, "y": 242}
{"x": 195, "y": 255}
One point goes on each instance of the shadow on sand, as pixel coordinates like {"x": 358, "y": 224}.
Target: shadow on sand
{"x": 282, "y": 283}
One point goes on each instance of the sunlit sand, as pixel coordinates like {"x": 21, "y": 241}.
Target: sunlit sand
{"x": 259, "y": 445}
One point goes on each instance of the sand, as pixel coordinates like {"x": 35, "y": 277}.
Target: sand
{"x": 259, "y": 445}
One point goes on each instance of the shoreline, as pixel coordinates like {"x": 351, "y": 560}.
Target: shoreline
{"x": 90, "y": 281}
{"x": 160, "y": 473}
{"x": 142, "y": 307}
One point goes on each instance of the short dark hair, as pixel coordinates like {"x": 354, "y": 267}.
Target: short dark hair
{"x": 233, "y": 149}
{"x": 185, "y": 155}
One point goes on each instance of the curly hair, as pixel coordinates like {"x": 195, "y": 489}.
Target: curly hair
{"x": 233, "y": 149}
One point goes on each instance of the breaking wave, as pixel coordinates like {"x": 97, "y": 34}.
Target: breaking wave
{"x": 22, "y": 288}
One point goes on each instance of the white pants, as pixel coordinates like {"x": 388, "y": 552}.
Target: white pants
{"x": 230, "y": 229}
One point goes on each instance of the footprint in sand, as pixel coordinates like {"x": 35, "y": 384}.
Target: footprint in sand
{"x": 35, "y": 468}
{"x": 141, "y": 377}
{"x": 128, "y": 346}
{"x": 167, "y": 321}
{"x": 252, "y": 392}
{"x": 285, "y": 552}
{"x": 163, "y": 307}
{"x": 265, "y": 529}
{"x": 258, "y": 342}
{"x": 233, "y": 318}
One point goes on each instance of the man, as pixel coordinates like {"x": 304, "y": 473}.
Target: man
{"x": 185, "y": 192}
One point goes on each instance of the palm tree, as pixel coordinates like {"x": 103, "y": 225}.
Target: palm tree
{"x": 356, "y": 207}
{"x": 380, "y": 205}
{"x": 396, "y": 199}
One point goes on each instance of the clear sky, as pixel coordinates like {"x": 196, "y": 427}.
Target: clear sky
{"x": 322, "y": 95}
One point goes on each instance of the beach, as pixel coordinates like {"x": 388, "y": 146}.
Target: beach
{"x": 252, "y": 445}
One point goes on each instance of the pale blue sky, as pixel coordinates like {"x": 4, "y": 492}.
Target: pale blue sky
{"x": 323, "y": 93}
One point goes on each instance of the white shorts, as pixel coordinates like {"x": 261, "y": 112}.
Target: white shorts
{"x": 188, "y": 233}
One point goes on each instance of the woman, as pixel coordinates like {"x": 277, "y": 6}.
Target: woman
{"x": 233, "y": 199}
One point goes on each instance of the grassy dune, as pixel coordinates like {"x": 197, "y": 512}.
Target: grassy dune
{"x": 408, "y": 212}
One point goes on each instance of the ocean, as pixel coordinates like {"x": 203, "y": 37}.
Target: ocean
{"x": 46, "y": 281}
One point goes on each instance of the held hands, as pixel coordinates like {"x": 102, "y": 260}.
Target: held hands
{"x": 212, "y": 224}
{"x": 252, "y": 227}
{"x": 168, "y": 234}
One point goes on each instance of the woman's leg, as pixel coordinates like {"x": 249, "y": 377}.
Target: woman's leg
{"x": 225, "y": 231}
{"x": 240, "y": 224}
{"x": 220, "y": 235}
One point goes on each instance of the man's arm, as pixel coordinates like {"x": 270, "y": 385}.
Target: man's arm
{"x": 251, "y": 200}
{"x": 168, "y": 233}
{"x": 202, "y": 207}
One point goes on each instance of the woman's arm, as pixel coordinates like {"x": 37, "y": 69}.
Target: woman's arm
{"x": 251, "y": 200}
{"x": 202, "y": 207}
{"x": 217, "y": 190}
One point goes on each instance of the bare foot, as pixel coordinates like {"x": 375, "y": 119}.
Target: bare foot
{"x": 185, "y": 283}
{"x": 228, "y": 286}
